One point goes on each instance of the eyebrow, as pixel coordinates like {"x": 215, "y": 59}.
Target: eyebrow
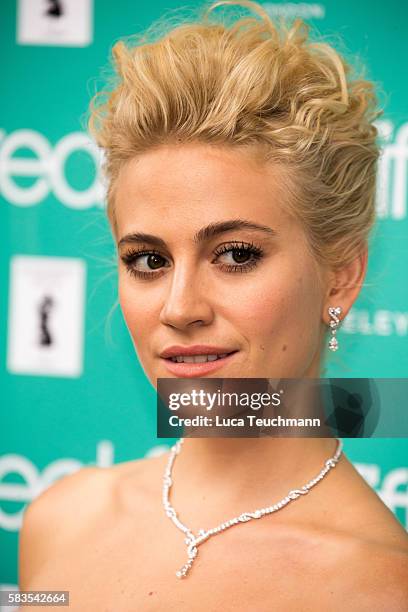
{"x": 203, "y": 234}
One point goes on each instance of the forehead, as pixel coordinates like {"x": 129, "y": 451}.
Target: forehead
{"x": 187, "y": 184}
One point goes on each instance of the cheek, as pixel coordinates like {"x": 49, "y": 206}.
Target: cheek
{"x": 279, "y": 315}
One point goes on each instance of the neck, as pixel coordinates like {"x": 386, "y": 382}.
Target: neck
{"x": 216, "y": 478}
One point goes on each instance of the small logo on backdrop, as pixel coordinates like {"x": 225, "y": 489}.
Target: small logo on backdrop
{"x": 44, "y": 309}
{"x": 55, "y": 9}
{"x": 376, "y": 322}
{"x": 46, "y": 314}
{"x": 55, "y": 22}
{"x": 305, "y": 10}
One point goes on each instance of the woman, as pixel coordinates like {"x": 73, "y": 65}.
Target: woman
{"x": 241, "y": 167}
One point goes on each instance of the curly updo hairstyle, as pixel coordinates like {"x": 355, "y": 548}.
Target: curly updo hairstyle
{"x": 253, "y": 84}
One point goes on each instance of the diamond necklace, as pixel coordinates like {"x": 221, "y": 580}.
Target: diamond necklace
{"x": 193, "y": 541}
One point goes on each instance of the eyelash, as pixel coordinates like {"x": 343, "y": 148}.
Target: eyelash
{"x": 131, "y": 257}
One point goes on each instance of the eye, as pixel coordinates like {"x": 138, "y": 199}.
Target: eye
{"x": 153, "y": 261}
{"x": 245, "y": 257}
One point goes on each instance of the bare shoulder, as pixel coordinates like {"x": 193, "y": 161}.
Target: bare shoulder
{"x": 69, "y": 493}
{"x": 366, "y": 568}
{"x": 59, "y": 514}
{"x": 76, "y": 509}
{"x": 372, "y": 546}
{"x": 380, "y": 575}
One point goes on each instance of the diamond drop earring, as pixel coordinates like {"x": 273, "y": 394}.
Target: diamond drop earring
{"x": 334, "y": 323}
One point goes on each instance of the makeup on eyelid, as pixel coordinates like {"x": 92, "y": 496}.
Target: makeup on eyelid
{"x": 250, "y": 250}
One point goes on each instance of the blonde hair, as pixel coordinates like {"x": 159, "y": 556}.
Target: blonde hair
{"x": 259, "y": 85}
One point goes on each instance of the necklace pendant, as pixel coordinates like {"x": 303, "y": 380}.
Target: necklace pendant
{"x": 183, "y": 571}
{"x": 192, "y": 553}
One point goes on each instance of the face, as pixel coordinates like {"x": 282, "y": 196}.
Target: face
{"x": 192, "y": 273}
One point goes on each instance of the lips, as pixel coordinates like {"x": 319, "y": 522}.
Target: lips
{"x": 196, "y": 349}
{"x": 196, "y": 358}
{"x": 196, "y": 370}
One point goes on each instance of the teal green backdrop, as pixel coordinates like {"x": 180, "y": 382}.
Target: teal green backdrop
{"x": 92, "y": 404}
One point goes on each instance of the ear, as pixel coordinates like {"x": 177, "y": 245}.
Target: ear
{"x": 345, "y": 284}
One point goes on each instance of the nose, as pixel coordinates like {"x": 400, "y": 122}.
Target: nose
{"x": 187, "y": 300}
